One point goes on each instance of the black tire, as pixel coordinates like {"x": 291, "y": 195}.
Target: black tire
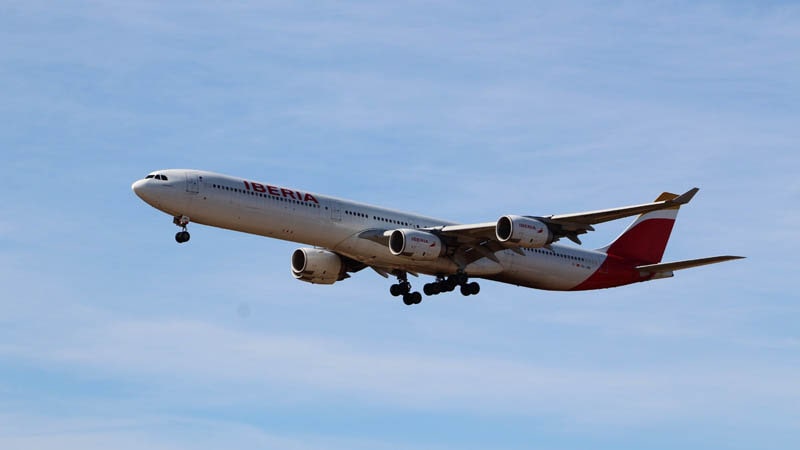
{"x": 408, "y": 300}
{"x": 429, "y": 289}
{"x": 465, "y": 290}
{"x": 474, "y": 288}
{"x": 395, "y": 290}
{"x": 417, "y": 297}
{"x": 178, "y": 238}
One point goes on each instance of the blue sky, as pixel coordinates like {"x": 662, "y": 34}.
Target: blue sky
{"x": 113, "y": 336}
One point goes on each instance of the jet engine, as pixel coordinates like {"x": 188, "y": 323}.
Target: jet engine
{"x": 523, "y": 232}
{"x": 415, "y": 244}
{"x": 317, "y": 266}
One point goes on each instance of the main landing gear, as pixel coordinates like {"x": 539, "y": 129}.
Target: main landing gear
{"x": 183, "y": 235}
{"x": 403, "y": 287}
{"x": 441, "y": 285}
{"x": 449, "y": 284}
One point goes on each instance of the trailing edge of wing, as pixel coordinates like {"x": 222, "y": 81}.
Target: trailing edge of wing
{"x": 687, "y": 264}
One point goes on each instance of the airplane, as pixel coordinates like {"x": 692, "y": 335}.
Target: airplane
{"x": 346, "y": 236}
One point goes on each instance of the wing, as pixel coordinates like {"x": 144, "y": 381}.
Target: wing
{"x": 571, "y": 225}
{"x": 480, "y": 240}
{"x": 475, "y": 241}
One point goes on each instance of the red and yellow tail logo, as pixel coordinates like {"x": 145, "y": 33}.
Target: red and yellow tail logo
{"x": 645, "y": 240}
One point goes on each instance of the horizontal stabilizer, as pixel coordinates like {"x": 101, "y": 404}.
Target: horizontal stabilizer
{"x": 678, "y": 265}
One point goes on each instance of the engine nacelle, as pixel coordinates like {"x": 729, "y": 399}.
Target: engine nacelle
{"x": 317, "y": 266}
{"x": 523, "y": 232}
{"x": 416, "y": 244}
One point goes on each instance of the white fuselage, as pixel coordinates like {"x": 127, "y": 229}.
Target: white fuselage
{"x": 335, "y": 224}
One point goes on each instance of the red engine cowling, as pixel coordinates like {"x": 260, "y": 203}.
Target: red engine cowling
{"x": 523, "y": 232}
{"x": 415, "y": 244}
{"x": 317, "y": 266}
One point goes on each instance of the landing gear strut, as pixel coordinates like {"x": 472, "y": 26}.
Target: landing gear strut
{"x": 183, "y": 235}
{"x": 403, "y": 287}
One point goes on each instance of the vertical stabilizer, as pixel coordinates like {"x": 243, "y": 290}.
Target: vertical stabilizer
{"x": 645, "y": 240}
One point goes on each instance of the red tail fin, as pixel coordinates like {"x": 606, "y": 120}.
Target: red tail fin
{"x": 645, "y": 240}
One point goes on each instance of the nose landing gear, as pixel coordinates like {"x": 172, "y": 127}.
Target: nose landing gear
{"x": 183, "y": 235}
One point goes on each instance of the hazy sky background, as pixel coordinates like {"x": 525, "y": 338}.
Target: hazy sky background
{"x": 114, "y": 336}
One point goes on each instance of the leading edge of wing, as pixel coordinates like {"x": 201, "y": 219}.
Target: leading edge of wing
{"x": 570, "y": 225}
{"x": 583, "y": 221}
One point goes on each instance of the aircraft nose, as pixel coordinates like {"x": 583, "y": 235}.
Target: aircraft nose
{"x": 139, "y": 188}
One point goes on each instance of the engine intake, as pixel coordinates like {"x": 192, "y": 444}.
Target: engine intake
{"x": 317, "y": 266}
{"x": 523, "y": 232}
{"x": 415, "y": 244}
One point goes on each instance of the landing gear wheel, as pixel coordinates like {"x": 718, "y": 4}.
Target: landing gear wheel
{"x": 413, "y": 298}
{"x": 398, "y": 289}
{"x": 470, "y": 288}
{"x": 183, "y": 235}
{"x": 403, "y": 287}
{"x": 432, "y": 288}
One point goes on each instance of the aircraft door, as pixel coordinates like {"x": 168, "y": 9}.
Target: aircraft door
{"x": 336, "y": 212}
{"x": 192, "y": 185}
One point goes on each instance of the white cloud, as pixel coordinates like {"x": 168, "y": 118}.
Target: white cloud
{"x": 201, "y": 356}
{"x": 161, "y": 432}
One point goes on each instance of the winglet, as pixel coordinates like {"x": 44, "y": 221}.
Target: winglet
{"x": 686, "y": 197}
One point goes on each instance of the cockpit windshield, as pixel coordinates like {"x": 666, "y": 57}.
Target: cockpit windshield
{"x": 156, "y": 176}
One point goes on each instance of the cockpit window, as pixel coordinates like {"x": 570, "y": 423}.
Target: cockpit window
{"x": 149, "y": 176}
{"x": 164, "y": 177}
